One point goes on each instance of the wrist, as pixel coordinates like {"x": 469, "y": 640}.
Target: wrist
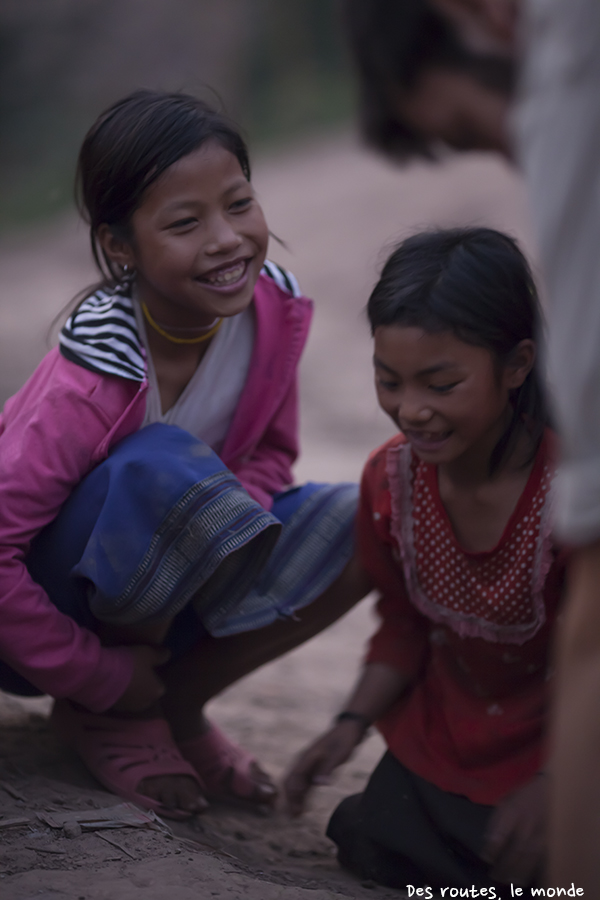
{"x": 360, "y": 720}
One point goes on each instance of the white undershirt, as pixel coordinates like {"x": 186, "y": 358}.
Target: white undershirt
{"x": 208, "y": 402}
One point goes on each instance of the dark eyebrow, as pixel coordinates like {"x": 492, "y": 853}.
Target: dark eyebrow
{"x": 192, "y": 204}
{"x": 179, "y": 205}
{"x": 440, "y": 367}
{"x": 378, "y": 364}
{"x": 239, "y": 183}
{"x": 431, "y": 370}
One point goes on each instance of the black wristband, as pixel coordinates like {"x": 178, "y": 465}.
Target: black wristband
{"x": 348, "y": 716}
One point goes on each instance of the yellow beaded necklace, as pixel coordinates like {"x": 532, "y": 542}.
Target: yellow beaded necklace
{"x": 175, "y": 340}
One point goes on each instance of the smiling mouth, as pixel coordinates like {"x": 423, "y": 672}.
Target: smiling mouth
{"x": 427, "y": 439}
{"x": 226, "y": 275}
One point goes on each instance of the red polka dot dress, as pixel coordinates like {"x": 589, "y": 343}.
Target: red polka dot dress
{"x": 473, "y": 629}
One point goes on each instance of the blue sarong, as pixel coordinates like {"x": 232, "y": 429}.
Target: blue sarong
{"x": 162, "y": 530}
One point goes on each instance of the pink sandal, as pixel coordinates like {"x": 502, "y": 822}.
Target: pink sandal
{"x": 120, "y": 753}
{"x": 227, "y": 771}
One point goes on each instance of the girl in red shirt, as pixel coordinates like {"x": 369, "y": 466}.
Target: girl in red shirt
{"x": 455, "y": 530}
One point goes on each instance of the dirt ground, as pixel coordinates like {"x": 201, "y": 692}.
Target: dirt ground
{"x": 336, "y": 207}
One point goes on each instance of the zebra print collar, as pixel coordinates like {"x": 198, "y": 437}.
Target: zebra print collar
{"x": 102, "y": 335}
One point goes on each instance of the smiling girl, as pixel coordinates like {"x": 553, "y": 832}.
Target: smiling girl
{"x": 455, "y": 530}
{"x": 146, "y": 513}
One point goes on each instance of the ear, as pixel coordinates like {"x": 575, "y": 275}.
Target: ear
{"x": 519, "y": 364}
{"x": 118, "y": 251}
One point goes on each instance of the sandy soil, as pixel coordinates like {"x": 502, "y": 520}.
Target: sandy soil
{"x": 336, "y": 207}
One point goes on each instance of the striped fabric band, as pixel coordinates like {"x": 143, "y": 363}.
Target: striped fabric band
{"x": 313, "y": 549}
{"x": 282, "y": 278}
{"x": 214, "y": 536}
{"x": 101, "y": 335}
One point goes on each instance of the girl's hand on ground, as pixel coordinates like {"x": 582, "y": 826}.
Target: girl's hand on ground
{"x": 316, "y": 764}
{"x": 516, "y": 837}
{"x": 145, "y": 687}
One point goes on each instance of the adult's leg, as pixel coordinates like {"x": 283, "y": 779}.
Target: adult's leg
{"x": 575, "y": 783}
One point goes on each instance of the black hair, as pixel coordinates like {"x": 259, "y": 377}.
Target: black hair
{"x": 476, "y": 284}
{"x": 129, "y": 146}
{"x": 393, "y": 41}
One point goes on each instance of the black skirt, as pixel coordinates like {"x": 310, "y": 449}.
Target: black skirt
{"x": 404, "y": 830}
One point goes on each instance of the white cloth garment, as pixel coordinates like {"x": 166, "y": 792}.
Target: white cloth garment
{"x": 209, "y": 400}
{"x": 557, "y": 124}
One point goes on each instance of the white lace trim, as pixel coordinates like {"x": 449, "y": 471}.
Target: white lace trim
{"x": 399, "y": 471}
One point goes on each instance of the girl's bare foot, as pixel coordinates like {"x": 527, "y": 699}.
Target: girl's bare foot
{"x": 133, "y": 757}
{"x": 228, "y": 771}
{"x": 174, "y": 792}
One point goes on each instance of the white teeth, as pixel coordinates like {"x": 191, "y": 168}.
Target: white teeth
{"x": 431, "y": 436}
{"x": 227, "y": 276}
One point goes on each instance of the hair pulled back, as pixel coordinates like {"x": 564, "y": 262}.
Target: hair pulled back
{"x": 130, "y": 145}
{"x": 476, "y": 284}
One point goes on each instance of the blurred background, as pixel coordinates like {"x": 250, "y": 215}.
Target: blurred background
{"x": 279, "y": 67}
{"x": 283, "y": 72}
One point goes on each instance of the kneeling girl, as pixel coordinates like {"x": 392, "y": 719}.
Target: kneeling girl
{"x": 455, "y": 529}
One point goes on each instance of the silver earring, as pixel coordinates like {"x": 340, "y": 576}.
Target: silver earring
{"x": 127, "y": 274}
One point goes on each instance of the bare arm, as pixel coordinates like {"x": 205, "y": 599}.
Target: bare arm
{"x": 378, "y": 687}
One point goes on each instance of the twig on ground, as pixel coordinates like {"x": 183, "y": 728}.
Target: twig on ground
{"x": 14, "y": 823}
{"x": 108, "y": 840}
{"x": 12, "y": 792}
{"x": 45, "y": 849}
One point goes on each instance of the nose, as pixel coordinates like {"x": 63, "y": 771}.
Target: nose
{"x": 222, "y": 236}
{"x": 411, "y": 409}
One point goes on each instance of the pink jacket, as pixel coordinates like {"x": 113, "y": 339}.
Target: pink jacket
{"x": 60, "y": 425}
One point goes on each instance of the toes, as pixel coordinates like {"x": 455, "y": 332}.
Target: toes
{"x": 262, "y": 791}
{"x": 198, "y": 805}
{"x": 169, "y": 798}
{"x": 263, "y": 782}
{"x": 174, "y": 793}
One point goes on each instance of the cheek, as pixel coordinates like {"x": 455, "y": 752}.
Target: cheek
{"x": 435, "y": 106}
{"x": 484, "y": 407}
{"x": 151, "y": 250}
{"x": 256, "y": 227}
{"x": 387, "y": 401}
{"x": 495, "y": 398}
{"x": 262, "y": 235}
{"x": 162, "y": 260}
